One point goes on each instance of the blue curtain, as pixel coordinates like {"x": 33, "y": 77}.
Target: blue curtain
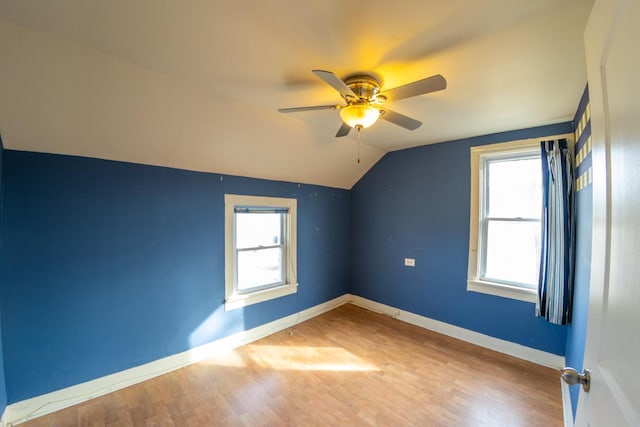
{"x": 555, "y": 287}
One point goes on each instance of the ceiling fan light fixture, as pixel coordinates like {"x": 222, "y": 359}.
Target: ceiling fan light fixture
{"x": 359, "y": 115}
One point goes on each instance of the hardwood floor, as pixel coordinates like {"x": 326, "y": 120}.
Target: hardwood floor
{"x": 348, "y": 367}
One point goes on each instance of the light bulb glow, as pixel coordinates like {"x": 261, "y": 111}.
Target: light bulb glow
{"x": 362, "y": 115}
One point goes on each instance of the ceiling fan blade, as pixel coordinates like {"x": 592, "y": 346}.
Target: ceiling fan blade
{"x": 401, "y": 120}
{"x": 420, "y": 87}
{"x": 311, "y": 108}
{"x": 343, "y": 131}
{"x": 333, "y": 81}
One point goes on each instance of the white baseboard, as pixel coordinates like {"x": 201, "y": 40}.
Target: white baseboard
{"x": 520, "y": 351}
{"x": 567, "y": 409}
{"x": 41, "y": 405}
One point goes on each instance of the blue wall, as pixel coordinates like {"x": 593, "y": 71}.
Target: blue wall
{"x": 415, "y": 203}
{"x": 112, "y": 265}
{"x": 577, "y": 331}
{"x": 3, "y": 387}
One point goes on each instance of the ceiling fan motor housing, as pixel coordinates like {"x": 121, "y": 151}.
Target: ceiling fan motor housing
{"x": 365, "y": 86}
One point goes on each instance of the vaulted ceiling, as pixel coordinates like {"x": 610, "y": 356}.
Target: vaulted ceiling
{"x": 197, "y": 84}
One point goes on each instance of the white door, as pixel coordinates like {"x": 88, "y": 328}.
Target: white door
{"x": 612, "y": 43}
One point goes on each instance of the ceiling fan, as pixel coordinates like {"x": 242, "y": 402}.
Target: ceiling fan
{"x": 365, "y": 103}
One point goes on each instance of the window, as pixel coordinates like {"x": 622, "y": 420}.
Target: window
{"x": 260, "y": 249}
{"x": 506, "y": 208}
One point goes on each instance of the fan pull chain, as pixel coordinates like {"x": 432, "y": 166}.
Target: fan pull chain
{"x": 358, "y": 128}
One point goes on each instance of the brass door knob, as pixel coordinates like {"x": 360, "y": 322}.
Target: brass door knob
{"x": 573, "y": 377}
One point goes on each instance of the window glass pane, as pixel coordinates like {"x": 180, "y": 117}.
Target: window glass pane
{"x": 259, "y": 268}
{"x": 258, "y": 229}
{"x": 514, "y": 188}
{"x": 513, "y": 252}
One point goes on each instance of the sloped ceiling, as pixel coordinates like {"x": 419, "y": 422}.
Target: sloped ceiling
{"x": 197, "y": 84}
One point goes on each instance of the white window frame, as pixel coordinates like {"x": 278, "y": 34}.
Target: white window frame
{"x": 478, "y": 154}
{"x": 235, "y": 299}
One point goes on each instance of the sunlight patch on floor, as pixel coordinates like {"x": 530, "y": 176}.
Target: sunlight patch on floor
{"x": 228, "y": 358}
{"x": 307, "y": 358}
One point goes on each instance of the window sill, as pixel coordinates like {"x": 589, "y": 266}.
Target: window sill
{"x": 243, "y": 300}
{"x": 501, "y": 290}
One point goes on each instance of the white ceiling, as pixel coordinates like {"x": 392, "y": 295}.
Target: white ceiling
{"x": 196, "y": 84}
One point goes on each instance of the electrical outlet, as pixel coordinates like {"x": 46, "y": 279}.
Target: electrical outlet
{"x": 410, "y": 262}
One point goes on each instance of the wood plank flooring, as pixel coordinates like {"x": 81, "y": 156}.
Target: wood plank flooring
{"x": 348, "y": 367}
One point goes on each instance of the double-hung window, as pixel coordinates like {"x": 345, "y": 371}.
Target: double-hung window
{"x": 260, "y": 253}
{"x": 505, "y": 228}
